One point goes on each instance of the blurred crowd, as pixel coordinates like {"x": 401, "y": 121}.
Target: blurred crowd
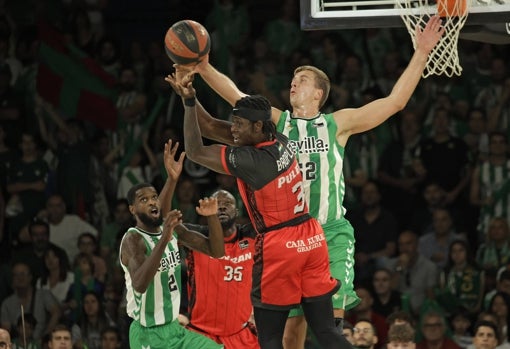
{"x": 428, "y": 191}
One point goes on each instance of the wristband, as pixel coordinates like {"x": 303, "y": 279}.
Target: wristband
{"x": 189, "y": 102}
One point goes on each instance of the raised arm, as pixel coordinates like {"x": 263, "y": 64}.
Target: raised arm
{"x": 208, "y": 156}
{"x": 173, "y": 170}
{"x": 142, "y": 268}
{"x": 225, "y": 87}
{"x": 211, "y": 128}
{"x": 212, "y": 245}
{"x": 351, "y": 121}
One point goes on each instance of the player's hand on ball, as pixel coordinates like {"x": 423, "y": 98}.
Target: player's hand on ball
{"x": 207, "y": 206}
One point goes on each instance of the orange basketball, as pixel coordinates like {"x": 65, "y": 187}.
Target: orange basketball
{"x": 451, "y": 8}
{"x": 187, "y": 42}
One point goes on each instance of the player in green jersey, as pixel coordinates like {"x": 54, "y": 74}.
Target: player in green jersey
{"x": 150, "y": 258}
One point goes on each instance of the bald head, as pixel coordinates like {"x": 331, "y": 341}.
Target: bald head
{"x": 5, "y": 339}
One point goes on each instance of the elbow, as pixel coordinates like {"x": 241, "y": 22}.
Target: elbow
{"x": 397, "y": 103}
{"x": 139, "y": 286}
{"x": 191, "y": 153}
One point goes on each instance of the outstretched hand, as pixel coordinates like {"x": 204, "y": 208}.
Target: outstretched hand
{"x": 182, "y": 84}
{"x": 427, "y": 38}
{"x": 173, "y": 167}
{"x": 207, "y": 207}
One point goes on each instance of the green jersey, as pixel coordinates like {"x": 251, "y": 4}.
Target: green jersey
{"x": 321, "y": 160}
{"x": 160, "y": 303}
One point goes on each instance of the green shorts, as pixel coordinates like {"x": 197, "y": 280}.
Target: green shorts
{"x": 340, "y": 241}
{"x": 168, "y": 336}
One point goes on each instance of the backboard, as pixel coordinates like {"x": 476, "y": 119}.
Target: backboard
{"x": 342, "y": 14}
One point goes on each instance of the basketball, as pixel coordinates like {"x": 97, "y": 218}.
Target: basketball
{"x": 187, "y": 42}
{"x": 451, "y": 8}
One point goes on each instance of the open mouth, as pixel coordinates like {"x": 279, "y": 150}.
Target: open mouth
{"x": 154, "y": 212}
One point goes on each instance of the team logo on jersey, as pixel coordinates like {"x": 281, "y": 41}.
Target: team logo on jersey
{"x": 309, "y": 145}
{"x": 243, "y": 244}
{"x": 170, "y": 261}
{"x": 238, "y": 259}
{"x": 318, "y": 124}
{"x": 309, "y": 244}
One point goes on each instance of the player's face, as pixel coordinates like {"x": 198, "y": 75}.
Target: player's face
{"x": 242, "y": 131}
{"x": 146, "y": 207}
{"x": 302, "y": 89}
{"x": 485, "y": 338}
{"x": 227, "y": 211}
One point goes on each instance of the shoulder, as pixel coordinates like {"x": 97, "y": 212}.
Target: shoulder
{"x": 246, "y": 231}
{"x": 130, "y": 240}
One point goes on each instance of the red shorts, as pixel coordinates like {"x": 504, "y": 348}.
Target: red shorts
{"x": 291, "y": 266}
{"x": 245, "y": 339}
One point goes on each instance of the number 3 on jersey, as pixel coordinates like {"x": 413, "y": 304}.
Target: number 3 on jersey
{"x": 231, "y": 273}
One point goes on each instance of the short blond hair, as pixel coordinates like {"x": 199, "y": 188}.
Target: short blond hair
{"x": 321, "y": 81}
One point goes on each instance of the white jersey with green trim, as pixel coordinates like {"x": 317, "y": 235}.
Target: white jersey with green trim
{"x": 160, "y": 303}
{"x": 320, "y": 158}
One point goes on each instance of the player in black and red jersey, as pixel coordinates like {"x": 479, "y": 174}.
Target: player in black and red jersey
{"x": 291, "y": 258}
{"x": 227, "y": 281}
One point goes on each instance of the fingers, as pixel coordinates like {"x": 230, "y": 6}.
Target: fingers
{"x": 209, "y": 204}
{"x": 173, "y": 217}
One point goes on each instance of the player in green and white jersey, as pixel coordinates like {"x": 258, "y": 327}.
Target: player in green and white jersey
{"x": 320, "y": 140}
{"x": 151, "y": 262}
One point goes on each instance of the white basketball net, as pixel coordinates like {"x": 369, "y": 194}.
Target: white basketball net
{"x": 444, "y": 58}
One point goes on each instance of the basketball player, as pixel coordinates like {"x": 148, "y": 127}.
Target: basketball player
{"x": 319, "y": 141}
{"x": 227, "y": 280}
{"x": 291, "y": 258}
{"x": 151, "y": 262}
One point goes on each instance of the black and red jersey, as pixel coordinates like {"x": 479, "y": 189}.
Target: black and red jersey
{"x": 270, "y": 182}
{"x": 219, "y": 288}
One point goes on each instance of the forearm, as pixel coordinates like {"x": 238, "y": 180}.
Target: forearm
{"x": 192, "y": 136}
{"x": 144, "y": 274}
{"x": 221, "y": 84}
{"x": 212, "y": 128}
{"x": 216, "y": 243}
{"x": 166, "y": 195}
{"x": 406, "y": 84}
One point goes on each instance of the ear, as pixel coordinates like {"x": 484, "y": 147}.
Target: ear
{"x": 258, "y": 126}
{"x": 132, "y": 209}
{"x": 318, "y": 94}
